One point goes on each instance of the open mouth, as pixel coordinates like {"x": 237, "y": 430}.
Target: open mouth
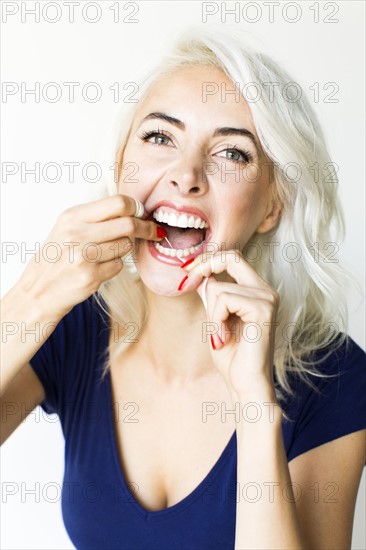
{"x": 186, "y": 232}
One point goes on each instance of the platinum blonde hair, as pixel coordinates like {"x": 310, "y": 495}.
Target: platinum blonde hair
{"x": 313, "y": 310}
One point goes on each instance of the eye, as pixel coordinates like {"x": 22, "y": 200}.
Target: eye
{"x": 237, "y": 155}
{"x": 156, "y": 137}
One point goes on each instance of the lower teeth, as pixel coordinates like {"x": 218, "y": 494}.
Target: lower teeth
{"x": 173, "y": 252}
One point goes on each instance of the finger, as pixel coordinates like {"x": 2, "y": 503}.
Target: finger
{"x": 116, "y": 228}
{"x": 106, "y": 208}
{"x": 231, "y": 261}
{"x": 231, "y": 304}
{"x": 108, "y": 270}
{"x": 215, "y": 288}
{"x": 114, "y": 250}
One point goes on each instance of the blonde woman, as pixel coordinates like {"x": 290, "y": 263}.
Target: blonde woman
{"x": 199, "y": 362}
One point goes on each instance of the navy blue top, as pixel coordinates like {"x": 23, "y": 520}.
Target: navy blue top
{"x": 98, "y": 505}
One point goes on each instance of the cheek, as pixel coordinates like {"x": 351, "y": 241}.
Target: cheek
{"x": 138, "y": 173}
{"x": 244, "y": 212}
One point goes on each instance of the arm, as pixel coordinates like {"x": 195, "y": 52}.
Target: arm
{"x": 266, "y": 514}
{"x": 247, "y": 369}
{"x": 25, "y": 325}
{"x": 328, "y": 478}
{"x": 47, "y": 291}
{"x": 269, "y": 515}
{"x": 308, "y": 503}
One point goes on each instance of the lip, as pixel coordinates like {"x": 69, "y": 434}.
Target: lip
{"x": 179, "y": 208}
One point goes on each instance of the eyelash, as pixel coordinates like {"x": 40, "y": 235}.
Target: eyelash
{"x": 152, "y": 133}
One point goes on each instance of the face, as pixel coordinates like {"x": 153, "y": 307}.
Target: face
{"x": 196, "y": 161}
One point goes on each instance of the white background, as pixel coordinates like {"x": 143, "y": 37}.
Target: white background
{"x": 108, "y": 52}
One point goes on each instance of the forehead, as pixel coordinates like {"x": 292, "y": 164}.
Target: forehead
{"x": 198, "y": 91}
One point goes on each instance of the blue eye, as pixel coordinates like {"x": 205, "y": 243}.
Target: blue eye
{"x": 239, "y": 155}
{"x": 160, "y": 137}
{"x": 160, "y": 134}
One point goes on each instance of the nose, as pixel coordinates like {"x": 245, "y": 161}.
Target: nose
{"x": 187, "y": 175}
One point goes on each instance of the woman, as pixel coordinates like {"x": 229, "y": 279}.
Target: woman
{"x": 193, "y": 335}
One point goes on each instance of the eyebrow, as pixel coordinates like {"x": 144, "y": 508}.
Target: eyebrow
{"x": 225, "y": 131}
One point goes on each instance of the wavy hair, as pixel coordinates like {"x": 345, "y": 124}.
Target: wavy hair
{"x": 295, "y": 257}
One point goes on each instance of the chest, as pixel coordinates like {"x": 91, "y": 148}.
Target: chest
{"x": 168, "y": 438}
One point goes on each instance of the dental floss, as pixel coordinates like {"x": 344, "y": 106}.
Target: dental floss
{"x": 204, "y": 297}
{"x": 170, "y": 244}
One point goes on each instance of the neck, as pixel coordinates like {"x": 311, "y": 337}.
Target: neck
{"x": 173, "y": 338}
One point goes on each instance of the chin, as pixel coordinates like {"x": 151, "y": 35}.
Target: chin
{"x": 160, "y": 278}
{"x": 163, "y": 286}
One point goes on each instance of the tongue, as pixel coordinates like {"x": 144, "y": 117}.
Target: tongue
{"x": 183, "y": 238}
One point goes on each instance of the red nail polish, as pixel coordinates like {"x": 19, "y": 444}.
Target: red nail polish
{"x": 183, "y": 282}
{"x": 212, "y": 342}
{"x": 222, "y": 342}
{"x": 161, "y": 232}
{"x": 187, "y": 262}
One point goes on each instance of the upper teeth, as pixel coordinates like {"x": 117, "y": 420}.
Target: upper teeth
{"x": 183, "y": 220}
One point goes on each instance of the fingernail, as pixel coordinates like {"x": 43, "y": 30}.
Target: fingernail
{"x": 212, "y": 342}
{"x": 187, "y": 262}
{"x": 222, "y": 342}
{"x": 182, "y": 283}
{"x": 161, "y": 233}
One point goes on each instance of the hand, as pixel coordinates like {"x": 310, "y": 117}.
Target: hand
{"x": 242, "y": 315}
{"x": 84, "y": 249}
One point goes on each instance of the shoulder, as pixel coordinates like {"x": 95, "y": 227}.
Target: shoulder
{"x": 327, "y": 453}
{"x": 83, "y": 320}
{"x": 331, "y": 371}
{"x": 78, "y": 340}
{"x": 341, "y": 355}
{"x": 332, "y": 403}
{"x": 341, "y": 372}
